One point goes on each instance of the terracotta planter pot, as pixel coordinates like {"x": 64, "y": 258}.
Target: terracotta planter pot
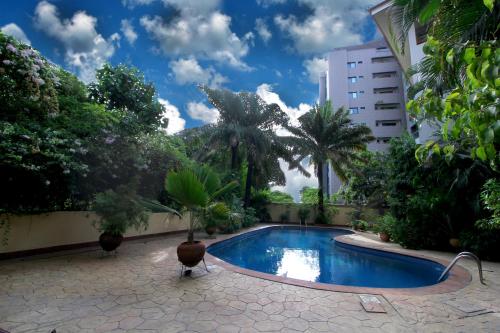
{"x": 190, "y": 254}
{"x": 210, "y": 230}
{"x": 454, "y": 242}
{"x": 110, "y": 242}
{"x": 384, "y": 237}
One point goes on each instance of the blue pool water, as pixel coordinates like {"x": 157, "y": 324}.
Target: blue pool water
{"x": 312, "y": 255}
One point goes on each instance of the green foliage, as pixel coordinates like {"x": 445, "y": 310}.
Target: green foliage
{"x": 123, "y": 88}
{"x": 366, "y": 181}
{"x": 434, "y": 201}
{"x": 119, "y": 210}
{"x": 483, "y": 243}
{"x": 303, "y": 212}
{"x": 198, "y": 191}
{"x": 491, "y": 201}
{"x": 278, "y": 196}
{"x": 247, "y": 123}
{"x": 309, "y": 195}
{"x": 330, "y": 136}
{"x": 470, "y": 112}
{"x": 259, "y": 202}
{"x": 385, "y": 224}
{"x": 285, "y": 217}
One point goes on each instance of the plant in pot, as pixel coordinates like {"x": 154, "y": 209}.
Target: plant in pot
{"x": 197, "y": 192}
{"x": 285, "y": 217}
{"x": 303, "y": 214}
{"x": 118, "y": 210}
{"x": 384, "y": 227}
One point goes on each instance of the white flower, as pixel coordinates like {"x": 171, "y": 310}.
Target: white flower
{"x": 11, "y": 48}
{"x": 7, "y": 62}
{"x": 110, "y": 139}
{"x": 47, "y": 182}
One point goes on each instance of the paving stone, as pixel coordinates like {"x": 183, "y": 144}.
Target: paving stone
{"x": 130, "y": 292}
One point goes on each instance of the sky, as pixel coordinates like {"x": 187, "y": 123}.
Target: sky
{"x": 276, "y": 48}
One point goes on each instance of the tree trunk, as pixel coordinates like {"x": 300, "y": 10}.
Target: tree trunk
{"x": 234, "y": 156}
{"x": 321, "y": 205}
{"x": 248, "y": 183}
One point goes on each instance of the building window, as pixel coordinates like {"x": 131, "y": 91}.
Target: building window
{"x": 353, "y": 110}
{"x": 362, "y": 108}
{"x": 421, "y": 33}
{"x": 353, "y": 94}
{"x": 361, "y": 77}
{"x": 388, "y": 123}
{"x": 387, "y": 106}
{"x": 382, "y": 75}
{"x": 382, "y": 48}
{"x": 360, "y": 62}
{"x": 352, "y": 79}
{"x": 379, "y": 60}
{"x": 384, "y": 139}
{"x": 351, "y": 64}
{"x": 385, "y": 90}
{"x": 361, "y": 92}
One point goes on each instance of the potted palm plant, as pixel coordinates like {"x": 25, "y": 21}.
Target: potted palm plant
{"x": 303, "y": 214}
{"x": 197, "y": 191}
{"x": 118, "y": 210}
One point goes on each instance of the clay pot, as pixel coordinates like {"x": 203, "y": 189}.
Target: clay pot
{"x": 191, "y": 253}
{"x": 110, "y": 242}
{"x": 455, "y": 242}
{"x": 384, "y": 237}
{"x": 210, "y": 230}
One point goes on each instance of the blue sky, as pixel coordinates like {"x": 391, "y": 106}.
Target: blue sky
{"x": 273, "y": 47}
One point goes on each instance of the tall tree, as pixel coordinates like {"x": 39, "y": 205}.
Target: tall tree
{"x": 330, "y": 136}
{"x": 246, "y": 120}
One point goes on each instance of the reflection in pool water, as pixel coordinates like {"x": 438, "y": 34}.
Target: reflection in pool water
{"x": 313, "y": 255}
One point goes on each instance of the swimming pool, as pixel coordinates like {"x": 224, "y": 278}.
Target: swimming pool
{"x": 313, "y": 255}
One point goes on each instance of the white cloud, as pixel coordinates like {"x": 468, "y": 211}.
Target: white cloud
{"x": 130, "y": 4}
{"x": 200, "y": 31}
{"x": 263, "y": 30}
{"x": 15, "y": 31}
{"x": 295, "y": 181}
{"x": 189, "y": 71}
{"x": 86, "y": 49}
{"x": 266, "y": 92}
{"x": 128, "y": 31}
{"x": 315, "y": 67}
{"x": 193, "y": 6}
{"x": 332, "y": 24}
{"x": 202, "y": 112}
{"x": 175, "y": 122}
{"x": 267, "y": 3}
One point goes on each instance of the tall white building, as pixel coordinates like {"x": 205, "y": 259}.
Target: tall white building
{"x": 367, "y": 80}
{"x": 407, "y": 57}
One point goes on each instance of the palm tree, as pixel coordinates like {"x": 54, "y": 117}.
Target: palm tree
{"x": 197, "y": 191}
{"x": 325, "y": 136}
{"x": 247, "y": 122}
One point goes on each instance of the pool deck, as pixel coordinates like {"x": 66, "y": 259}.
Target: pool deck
{"x": 139, "y": 290}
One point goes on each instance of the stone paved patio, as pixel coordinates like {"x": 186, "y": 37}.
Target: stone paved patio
{"x": 139, "y": 290}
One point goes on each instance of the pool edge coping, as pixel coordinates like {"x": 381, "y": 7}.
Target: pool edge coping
{"x": 458, "y": 278}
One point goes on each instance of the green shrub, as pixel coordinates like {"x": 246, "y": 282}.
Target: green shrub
{"x": 483, "y": 243}
{"x": 285, "y": 217}
{"x": 385, "y": 224}
{"x": 249, "y": 218}
{"x": 119, "y": 210}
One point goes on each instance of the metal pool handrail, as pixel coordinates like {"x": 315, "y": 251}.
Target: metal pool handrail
{"x": 464, "y": 255}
